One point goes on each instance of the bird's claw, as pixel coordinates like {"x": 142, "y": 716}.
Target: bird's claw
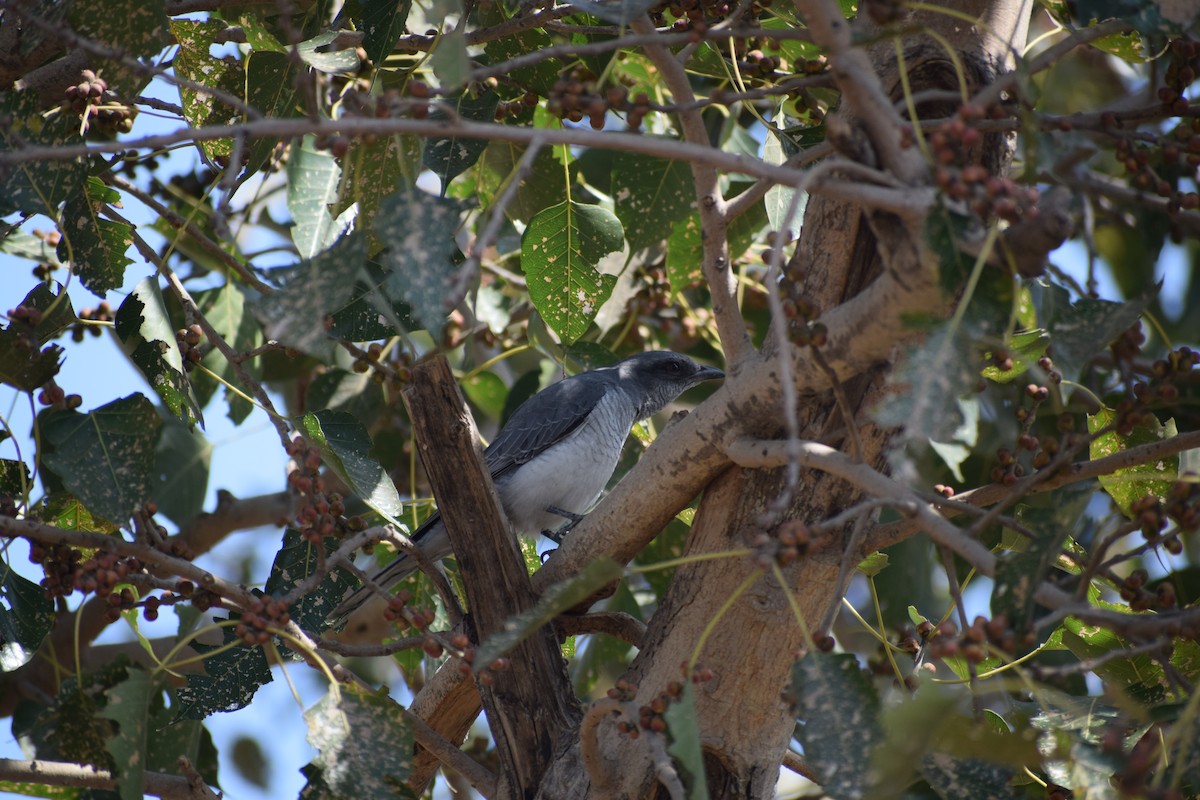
{"x": 572, "y": 518}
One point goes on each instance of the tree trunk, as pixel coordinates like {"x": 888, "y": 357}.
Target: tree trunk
{"x": 745, "y": 724}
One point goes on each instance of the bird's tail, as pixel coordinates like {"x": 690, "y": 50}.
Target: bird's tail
{"x": 433, "y": 542}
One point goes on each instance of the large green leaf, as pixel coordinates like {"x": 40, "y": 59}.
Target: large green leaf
{"x": 297, "y": 560}
{"x": 685, "y": 246}
{"x": 311, "y": 292}
{"x": 129, "y": 27}
{"x": 37, "y": 187}
{"x": 650, "y": 196}
{"x": 95, "y": 247}
{"x": 419, "y": 231}
{"x": 1129, "y": 484}
{"x": 450, "y": 157}
{"x": 25, "y": 623}
{"x": 129, "y": 707}
{"x": 839, "y": 722}
{"x": 225, "y": 310}
{"x": 24, "y": 363}
{"x": 364, "y": 744}
{"x": 540, "y": 187}
{"x": 312, "y": 187}
{"x": 346, "y": 446}
{"x": 182, "y": 461}
{"x": 194, "y": 62}
{"x": 270, "y": 88}
{"x": 382, "y": 24}
{"x": 106, "y": 456}
{"x": 144, "y": 326}
{"x": 559, "y": 253}
{"x": 233, "y": 677}
{"x": 1084, "y": 328}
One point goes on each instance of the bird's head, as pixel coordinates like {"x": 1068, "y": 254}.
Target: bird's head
{"x": 658, "y": 377}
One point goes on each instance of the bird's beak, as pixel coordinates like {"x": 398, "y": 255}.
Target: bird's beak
{"x": 708, "y": 374}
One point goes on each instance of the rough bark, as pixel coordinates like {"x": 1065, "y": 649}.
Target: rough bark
{"x": 531, "y": 707}
{"x": 745, "y": 725}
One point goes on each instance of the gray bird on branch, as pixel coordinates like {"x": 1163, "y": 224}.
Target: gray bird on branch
{"x": 558, "y": 450}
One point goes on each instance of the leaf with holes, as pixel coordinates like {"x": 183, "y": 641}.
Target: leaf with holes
{"x": 364, "y": 744}
{"x": 106, "y": 456}
{"x": 839, "y": 726}
{"x": 95, "y": 247}
{"x": 419, "y": 230}
{"x": 559, "y": 253}
{"x": 650, "y": 195}
{"x": 194, "y": 63}
{"x": 1129, "y": 484}
{"x": 144, "y": 327}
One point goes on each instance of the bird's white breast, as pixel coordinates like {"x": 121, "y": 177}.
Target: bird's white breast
{"x": 560, "y": 477}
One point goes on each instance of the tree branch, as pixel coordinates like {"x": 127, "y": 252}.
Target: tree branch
{"x": 85, "y": 776}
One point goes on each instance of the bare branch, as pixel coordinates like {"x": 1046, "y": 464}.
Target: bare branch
{"x": 85, "y": 776}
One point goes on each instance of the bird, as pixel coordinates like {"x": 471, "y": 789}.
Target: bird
{"x": 553, "y": 457}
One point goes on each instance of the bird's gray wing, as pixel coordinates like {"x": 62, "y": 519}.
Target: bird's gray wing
{"x": 544, "y": 420}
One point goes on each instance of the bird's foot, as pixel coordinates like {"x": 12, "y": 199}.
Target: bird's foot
{"x": 572, "y": 519}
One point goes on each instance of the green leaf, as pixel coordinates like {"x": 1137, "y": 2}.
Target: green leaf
{"x": 310, "y": 292}
{"x": 954, "y": 778}
{"x": 271, "y": 88}
{"x": 355, "y": 393}
{"x": 1080, "y": 330}
{"x": 297, "y": 560}
{"x": 106, "y": 456}
{"x": 382, "y": 24}
{"x": 419, "y": 230}
{"x": 95, "y": 247}
{"x": 345, "y": 447}
{"x": 182, "y": 460}
{"x": 37, "y": 187}
{"x": 1025, "y": 349}
{"x": 194, "y": 63}
{"x": 558, "y": 598}
{"x": 129, "y": 706}
{"x": 15, "y": 478}
{"x": 683, "y": 729}
{"x": 928, "y": 385}
{"x": 449, "y": 60}
{"x": 559, "y": 253}
{"x": 778, "y": 147}
{"x": 71, "y": 728}
{"x": 56, "y": 309}
{"x": 65, "y": 511}
{"x": 233, "y": 677}
{"x": 324, "y": 54}
{"x": 538, "y": 77}
{"x": 487, "y": 391}
{"x": 225, "y": 310}
{"x": 144, "y": 327}
{"x": 1020, "y": 574}
{"x": 1130, "y": 484}
{"x": 364, "y": 744}
{"x": 873, "y": 564}
{"x": 374, "y": 170}
{"x": 25, "y": 623}
{"x": 130, "y": 27}
{"x": 685, "y": 248}
{"x": 448, "y": 158}
{"x": 22, "y": 363}
{"x": 312, "y": 187}
{"x": 650, "y": 195}
{"x": 839, "y": 714}
{"x": 540, "y": 187}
